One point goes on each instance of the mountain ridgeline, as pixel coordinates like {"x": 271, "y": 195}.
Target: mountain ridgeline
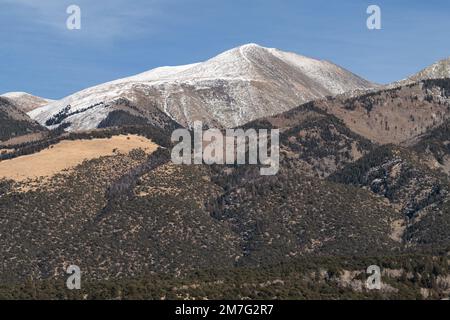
{"x": 233, "y": 88}
{"x": 14, "y": 122}
{"x": 363, "y": 180}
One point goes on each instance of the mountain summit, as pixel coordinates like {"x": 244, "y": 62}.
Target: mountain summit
{"x": 438, "y": 70}
{"x": 25, "y": 101}
{"x": 231, "y": 89}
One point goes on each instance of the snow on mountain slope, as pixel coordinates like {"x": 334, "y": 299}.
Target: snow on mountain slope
{"x": 438, "y": 70}
{"x": 233, "y": 88}
{"x": 25, "y": 101}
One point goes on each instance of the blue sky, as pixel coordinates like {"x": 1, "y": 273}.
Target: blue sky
{"x": 38, "y": 54}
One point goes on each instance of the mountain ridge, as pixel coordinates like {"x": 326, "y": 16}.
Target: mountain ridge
{"x": 438, "y": 70}
{"x": 26, "y": 102}
{"x": 228, "y": 90}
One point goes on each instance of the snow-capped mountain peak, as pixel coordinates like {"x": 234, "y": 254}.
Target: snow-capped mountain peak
{"x": 230, "y": 89}
{"x": 440, "y": 69}
{"x": 25, "y": 101}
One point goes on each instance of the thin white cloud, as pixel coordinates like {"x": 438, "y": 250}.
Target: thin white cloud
{"x": 100, "y": 20}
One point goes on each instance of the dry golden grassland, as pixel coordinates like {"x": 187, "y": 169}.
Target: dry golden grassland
{"x": 68, "y": 154}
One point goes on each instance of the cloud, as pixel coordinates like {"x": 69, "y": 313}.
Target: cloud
{"x": 100, "y": 20}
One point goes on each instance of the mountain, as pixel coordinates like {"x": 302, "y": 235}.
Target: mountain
{"x": 438, "y": 70}
{"x": 231, "y": 89}
{"x": 25, "y": 101}
{"x": 14, "y": 122}
{"x": 363, "y": 180}
{"x": 340, "y": 203}
{"x": 387, "y": 115}
{"x": 393, "y": 143}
